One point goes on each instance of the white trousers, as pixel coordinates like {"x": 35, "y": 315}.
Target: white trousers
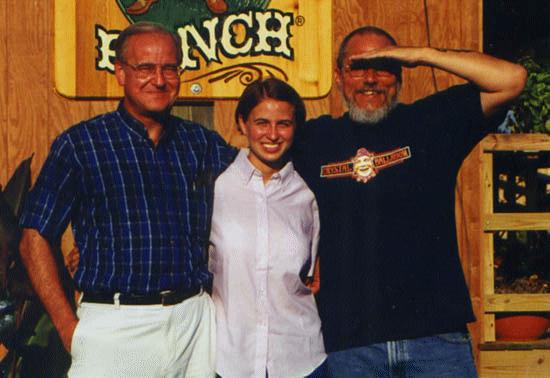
{"x": 145, "y": 341}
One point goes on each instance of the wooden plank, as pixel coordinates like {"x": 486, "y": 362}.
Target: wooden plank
{"x": 516, "y": 142}
{"x": 514, "y": 364}
{"x": 460, "y": 34}
{"x": 468, "y": 225}
{"x": 310, "y": 69}
{"x": 517, "y": 221}
{"x": 316, "y": 108}
{"x": 517, "y": 302}
{"x": 28, "y": 62}
{"x": 487, "y": 247}
{"x": 488, "y": 327}
{"x": 517, "y": 345}
{"x": 200, "y": 113}
{"x": 486, "y": 209}
{"x": 224, "y": 123}
{"x": 4, "y": 67}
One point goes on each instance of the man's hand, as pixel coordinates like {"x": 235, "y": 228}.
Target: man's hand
{"x": 72, "y": 259}
{"x": 407, "y": 56}
{"x": 314, "y": 283}
{"x": 66, "y": 333}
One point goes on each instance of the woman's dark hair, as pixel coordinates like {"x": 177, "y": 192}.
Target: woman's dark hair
{"x": 275, "y": 89}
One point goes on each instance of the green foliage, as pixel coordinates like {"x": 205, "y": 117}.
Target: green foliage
{"x": 35, "y": 349}
{"x": 532, "y": 108}
{"x": 42, "y": 354}
{"x": 174, "y": 13}
{"x": 13, "y": 281}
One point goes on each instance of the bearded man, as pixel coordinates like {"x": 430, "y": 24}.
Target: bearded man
{"x": 393, "y": 299}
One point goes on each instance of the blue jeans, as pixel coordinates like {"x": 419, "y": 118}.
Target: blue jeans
{"x": 444, "y": 355}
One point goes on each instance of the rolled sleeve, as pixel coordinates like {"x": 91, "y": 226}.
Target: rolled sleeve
{"x": 48, "y": 205}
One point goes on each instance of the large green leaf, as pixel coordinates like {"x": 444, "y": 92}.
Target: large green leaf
{"x": 535, "y": 98}
{"x": 17, "y": 187}
{"x": 8, "y": 223}
{"x": 11, "y": 202}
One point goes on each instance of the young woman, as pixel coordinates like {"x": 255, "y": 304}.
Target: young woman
{"x": 265, "y": 229}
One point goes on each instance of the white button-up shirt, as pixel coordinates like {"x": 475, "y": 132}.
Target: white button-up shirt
{"x": 263, "y": 243}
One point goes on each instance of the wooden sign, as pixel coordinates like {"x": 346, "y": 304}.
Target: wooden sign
{"x": 226, "y": 44}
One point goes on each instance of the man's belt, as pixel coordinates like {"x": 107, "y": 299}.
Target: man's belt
{"x": 165, "y": 298}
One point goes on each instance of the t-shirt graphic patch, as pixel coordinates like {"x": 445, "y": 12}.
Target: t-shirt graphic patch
{"x": 365, "y": 165}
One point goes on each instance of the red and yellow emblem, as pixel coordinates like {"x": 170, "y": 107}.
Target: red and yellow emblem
{"x": 365, "y": 165}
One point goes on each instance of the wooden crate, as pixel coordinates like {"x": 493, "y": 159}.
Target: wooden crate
{"x": 502, "y": 359}
{"x": 515, "y": 363}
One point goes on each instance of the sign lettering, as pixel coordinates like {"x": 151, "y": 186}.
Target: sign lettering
{"x": 223, "y": 48}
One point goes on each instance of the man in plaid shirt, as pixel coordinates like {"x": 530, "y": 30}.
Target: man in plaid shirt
{"x": 136, "y": 185}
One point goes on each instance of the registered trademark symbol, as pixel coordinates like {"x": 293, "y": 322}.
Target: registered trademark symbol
{"x": 300, "y": 20}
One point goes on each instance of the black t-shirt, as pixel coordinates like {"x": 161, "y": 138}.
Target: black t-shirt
{"x": 389, "y": 258}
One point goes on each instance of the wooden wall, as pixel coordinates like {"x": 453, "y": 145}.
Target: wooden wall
{"x": 32, "y": 113}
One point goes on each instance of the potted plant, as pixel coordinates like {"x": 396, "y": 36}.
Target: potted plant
{"x": 522, "y": 261}
{"x": 522, "y": 266}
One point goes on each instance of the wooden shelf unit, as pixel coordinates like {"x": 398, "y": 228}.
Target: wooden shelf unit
{"x": 497, "y": 358}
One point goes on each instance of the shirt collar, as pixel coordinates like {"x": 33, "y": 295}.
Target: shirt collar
{"x": 138, "y": 127}
{"x": 247, "y": 170}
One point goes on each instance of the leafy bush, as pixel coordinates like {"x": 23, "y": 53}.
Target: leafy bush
{"x": 532, "y": 107}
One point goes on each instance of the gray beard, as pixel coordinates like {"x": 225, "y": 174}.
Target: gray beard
{"x": 370, "y": 117}
{"x": 367, "y": 116}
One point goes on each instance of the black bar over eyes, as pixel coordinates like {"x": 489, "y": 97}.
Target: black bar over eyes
{"x": 379, "y": 64}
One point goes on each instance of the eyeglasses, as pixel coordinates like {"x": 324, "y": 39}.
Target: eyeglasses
{"x": 147, "y": 70}
{"x": 382, "y": 68}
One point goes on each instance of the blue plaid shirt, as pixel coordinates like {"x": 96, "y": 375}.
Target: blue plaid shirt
{"x": 140, "y": 214}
